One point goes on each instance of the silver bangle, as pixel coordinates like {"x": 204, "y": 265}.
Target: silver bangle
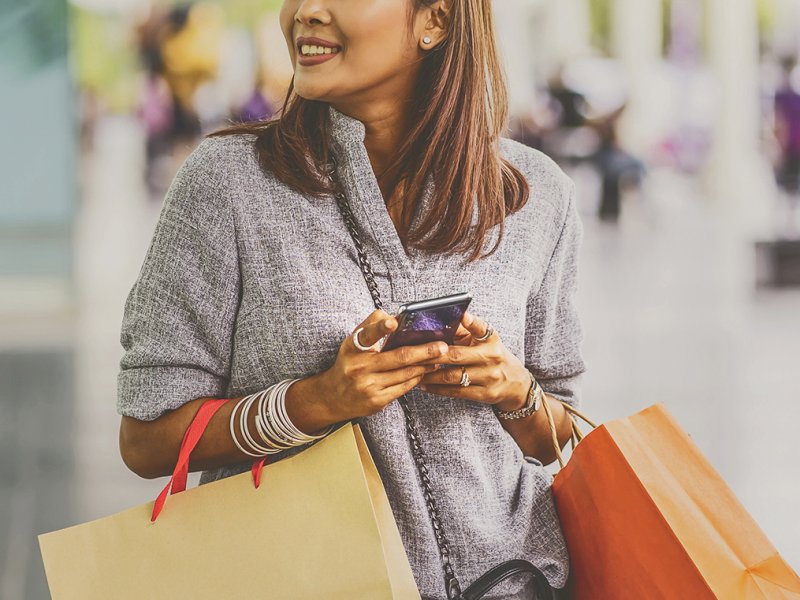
{"x": 266, "y": 421}
{"x": 233, "y": 432}
{"x": 266, "y": 433}
{"x": 274, "y": 428}
{"x": 273, "y": 423}
{"x": 283, "y": 418}
{"x": 245, "y": 427}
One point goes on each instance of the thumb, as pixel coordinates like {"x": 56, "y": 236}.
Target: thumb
{"x": 374, "y": 317}
{"x": 375, "y": 328}
{"x": 476, "y": 326}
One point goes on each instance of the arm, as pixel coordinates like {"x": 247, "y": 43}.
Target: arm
{"x": 532, "y": 433}
{"x": 178, "y": 326}
{"x": 552, "y": 344}
{"x": 150, "y": 448}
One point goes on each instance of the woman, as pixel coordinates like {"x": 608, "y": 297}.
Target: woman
{"x": 252, "y": 278}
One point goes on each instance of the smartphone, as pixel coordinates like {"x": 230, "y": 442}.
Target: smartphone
{"x": 428, "y": 321}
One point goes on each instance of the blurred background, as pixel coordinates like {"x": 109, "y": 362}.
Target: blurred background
{"x": 678, "y": 119}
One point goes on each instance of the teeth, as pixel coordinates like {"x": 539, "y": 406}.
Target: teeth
{"x": 307, "y": 50}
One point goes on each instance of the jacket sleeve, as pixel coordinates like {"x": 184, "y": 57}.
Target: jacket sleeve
{"x": 553, "y": 330}
{"x": 178, "y": 318}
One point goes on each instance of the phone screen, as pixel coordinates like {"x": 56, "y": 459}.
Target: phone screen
{"x": 428, "y": 321}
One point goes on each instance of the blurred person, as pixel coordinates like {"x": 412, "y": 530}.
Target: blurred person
{"x": 191, "y": 52}
{"x": 258, "y": 106}
{"x": 617, "y": 167}
{"x": 252, "y": 284}
{"x": 787, "y": 127}
{"x": 150, "y": 34}
{"x": 568, "y": 138}
{"x": 571, "y": 103}
{"x": 156, "y": 112}
{"x": 787, "y": 135}
{"x": 584, "y": 130}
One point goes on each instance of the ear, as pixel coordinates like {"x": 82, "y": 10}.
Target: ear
{"x": 435, "y": 20}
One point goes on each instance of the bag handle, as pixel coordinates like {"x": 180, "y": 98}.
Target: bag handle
{"x": 491, "y": 579}
{"x": 177, "y": 483}
{"x": 576, "y": 435}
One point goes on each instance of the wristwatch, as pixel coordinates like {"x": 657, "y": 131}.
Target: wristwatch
{"x": 532, "y": 404}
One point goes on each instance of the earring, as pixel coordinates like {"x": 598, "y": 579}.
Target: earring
{"x": 426, "y": 40}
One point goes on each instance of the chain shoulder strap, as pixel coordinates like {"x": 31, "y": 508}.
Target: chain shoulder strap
{"x": 452, "y": 584}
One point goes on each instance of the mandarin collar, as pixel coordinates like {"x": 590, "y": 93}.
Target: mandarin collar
{"x": 345, "y": 130}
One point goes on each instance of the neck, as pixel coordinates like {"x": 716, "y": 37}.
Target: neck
{"x": 385, "y": 126}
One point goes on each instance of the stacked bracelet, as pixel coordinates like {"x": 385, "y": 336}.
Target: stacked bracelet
{"x": 534, "y": 401}
{"x": 275, "y": 432}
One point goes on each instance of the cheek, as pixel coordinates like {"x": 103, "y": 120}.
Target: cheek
{"x": 376, "y": 29}
{"x": 378, "y": 48}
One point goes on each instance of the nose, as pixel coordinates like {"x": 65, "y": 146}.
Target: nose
{"x": 312, "y": 12}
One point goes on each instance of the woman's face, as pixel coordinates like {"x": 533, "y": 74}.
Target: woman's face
{"x": 375, "y": 56}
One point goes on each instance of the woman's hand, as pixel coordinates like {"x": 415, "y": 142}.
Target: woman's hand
{"x": 362, "y": 383}
{"x": 496, "y": 375}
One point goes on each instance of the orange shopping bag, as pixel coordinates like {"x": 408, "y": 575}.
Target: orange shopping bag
{"x": 646, "y": 516}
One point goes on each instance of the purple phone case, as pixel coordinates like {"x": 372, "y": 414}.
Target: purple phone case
{"x": 427, "y": 325}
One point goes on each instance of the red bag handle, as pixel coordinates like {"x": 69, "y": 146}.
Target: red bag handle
{"x": 177, "y": 483}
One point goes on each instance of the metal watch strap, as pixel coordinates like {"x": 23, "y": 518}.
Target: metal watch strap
{"x": 533, "y": 403}
{"x": 452, "y": 584}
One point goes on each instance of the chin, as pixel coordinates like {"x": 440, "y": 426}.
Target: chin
{"x": 311, "y": 92}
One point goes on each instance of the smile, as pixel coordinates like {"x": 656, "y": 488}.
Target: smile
{"x": 307, "y": 50}
{"x": 315, "y": 50}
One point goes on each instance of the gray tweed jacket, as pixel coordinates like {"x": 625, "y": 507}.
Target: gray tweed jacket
{"x": 247, "y": 282}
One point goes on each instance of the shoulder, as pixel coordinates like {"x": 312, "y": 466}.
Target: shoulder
{"x": 549, "y": 184}
{"x": 213, "y": 173}
{"x": 222, "y": 160}
{"x": 199, "y": 198}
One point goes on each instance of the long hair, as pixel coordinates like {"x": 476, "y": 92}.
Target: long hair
{"x": 458, "y": 113}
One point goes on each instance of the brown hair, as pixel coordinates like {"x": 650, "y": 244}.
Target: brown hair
{"x": 458, "y": 116}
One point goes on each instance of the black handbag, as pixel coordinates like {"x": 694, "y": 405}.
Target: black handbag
{"x": 489, "y": 580}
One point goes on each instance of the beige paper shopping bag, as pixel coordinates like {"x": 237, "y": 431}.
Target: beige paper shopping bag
{"x": 319, "y": 525}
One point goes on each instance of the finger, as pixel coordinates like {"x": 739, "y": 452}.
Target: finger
{"x": 452, "y": 376}
{"x": 376, "y": 326}
{"x": 460, "y": 355}
{"x": 374, "y": 317}
{"x": 474, "y": 324}
{"x": 473, "y": 391}
{"x": 398, "y": 390}
{"x": 410, "y": 355}
{"x": 462, "y": 337}
{"x": 387, "y": 379}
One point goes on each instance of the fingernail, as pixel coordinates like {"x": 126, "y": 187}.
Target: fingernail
{"x": 442, "y": 348}
{"x": 387, "y": 323}
{"x": 422, "y": 386}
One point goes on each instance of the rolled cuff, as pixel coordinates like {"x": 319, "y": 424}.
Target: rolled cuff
{"x": 146, "y": 393}
{"x": 565, "y": 389}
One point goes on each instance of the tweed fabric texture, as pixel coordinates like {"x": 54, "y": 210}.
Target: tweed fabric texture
{"x": 247, "y": 282}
